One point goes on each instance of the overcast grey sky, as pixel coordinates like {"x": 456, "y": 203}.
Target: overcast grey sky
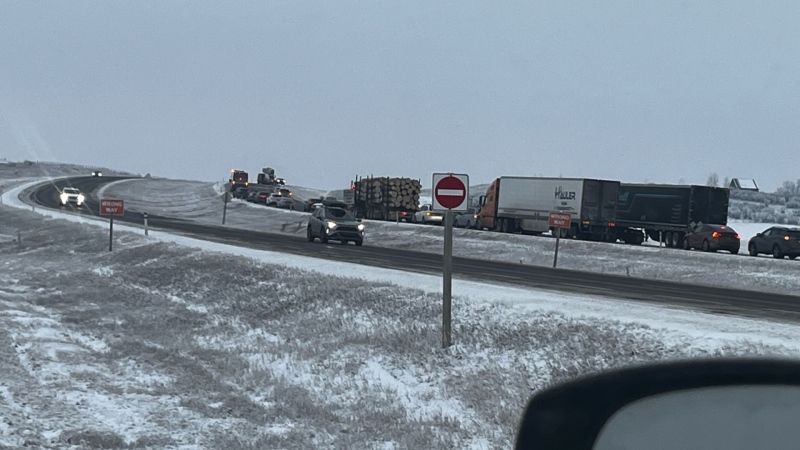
{"x": 659, "y": 91}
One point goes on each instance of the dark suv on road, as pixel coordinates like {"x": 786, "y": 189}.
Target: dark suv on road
{"x": 335, "y": 223}
{"x": 776, "y": 241}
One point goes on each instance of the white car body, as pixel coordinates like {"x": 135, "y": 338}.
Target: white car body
{"x": 427, "y": 215}
{"x": 278, "y": 200}
{"x": 71, "y": 195}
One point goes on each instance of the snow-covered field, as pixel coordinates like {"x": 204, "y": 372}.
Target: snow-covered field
{"x": 169, "y": 342}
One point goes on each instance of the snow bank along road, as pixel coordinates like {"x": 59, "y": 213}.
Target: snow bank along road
{"x": 708, "y": 298}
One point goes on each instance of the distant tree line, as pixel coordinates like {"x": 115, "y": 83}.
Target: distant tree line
{"x": 781, "y": 206}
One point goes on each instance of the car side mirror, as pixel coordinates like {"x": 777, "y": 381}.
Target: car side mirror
{"x": 759, "y": 234}
{"x": 358, "y": 219}
{"x": 688, "y": 405}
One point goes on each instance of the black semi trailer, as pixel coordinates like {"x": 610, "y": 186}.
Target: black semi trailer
{"x": 665, "y": 213}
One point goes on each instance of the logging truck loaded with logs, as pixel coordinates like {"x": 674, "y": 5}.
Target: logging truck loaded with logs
{"x": 385, "y": 198}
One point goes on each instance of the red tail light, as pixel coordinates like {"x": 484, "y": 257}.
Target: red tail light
{"x": 715, "y": 235}
{"x": 738, "y": 236}
{"x": 612, "y": 224}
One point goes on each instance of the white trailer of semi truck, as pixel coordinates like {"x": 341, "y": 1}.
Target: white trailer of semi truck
{"x": 523, "y": 204}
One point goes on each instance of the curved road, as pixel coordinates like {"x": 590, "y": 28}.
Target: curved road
{"x": 706, "y": 298}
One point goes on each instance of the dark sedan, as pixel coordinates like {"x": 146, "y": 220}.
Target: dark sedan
{"x": 240, "y": 192}
{"x": 711, "y": 238}
{"x": 776, "y": 241}
{"x": 309, "y": 205}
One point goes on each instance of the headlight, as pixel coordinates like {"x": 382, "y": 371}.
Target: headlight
{"x": 331, "y": 225}
{"x": 81, "y": 198}
{"x": 361, "y": 227}
{"x": 64, "y": 198}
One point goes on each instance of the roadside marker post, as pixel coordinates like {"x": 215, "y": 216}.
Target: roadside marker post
{"x": 145, "y": 224}
{"x": 225, "y": 201}
{"x": 111, "y": 207}
{"x": 559, "y": 220}
{"x": 450, "y": 193}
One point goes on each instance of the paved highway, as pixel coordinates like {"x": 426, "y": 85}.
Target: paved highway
{"x": 706, "y": 298}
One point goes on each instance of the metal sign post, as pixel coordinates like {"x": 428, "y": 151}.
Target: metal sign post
{"x": 450, "y": 193}
{"x": 110, "y": 233}
{"x": 447, "y": 288}
{"x": 555, "y": 255}
{"x": 224, "y": 207}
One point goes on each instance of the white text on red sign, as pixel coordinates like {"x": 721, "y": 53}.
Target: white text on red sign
{"x": 560, "y": 220}
{"x": 112, "y": 207}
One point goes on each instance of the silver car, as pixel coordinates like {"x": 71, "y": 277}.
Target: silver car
{"x": 467, "y": 219}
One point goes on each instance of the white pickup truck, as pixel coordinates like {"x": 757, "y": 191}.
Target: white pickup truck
{"x": 71, "y": 195}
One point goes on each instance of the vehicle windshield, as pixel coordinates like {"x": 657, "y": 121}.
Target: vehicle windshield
{"x": 339, "y": 214}
{"x": 71, "y": 191}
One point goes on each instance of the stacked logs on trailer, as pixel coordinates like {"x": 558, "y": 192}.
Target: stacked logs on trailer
{"x": 383, "y": 198}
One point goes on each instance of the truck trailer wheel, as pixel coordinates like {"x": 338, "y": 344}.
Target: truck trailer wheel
{"x": 668, "y": 239}
{"x": 677, "y": 237}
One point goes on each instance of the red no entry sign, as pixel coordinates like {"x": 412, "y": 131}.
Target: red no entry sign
{"x": 450, "y": 191}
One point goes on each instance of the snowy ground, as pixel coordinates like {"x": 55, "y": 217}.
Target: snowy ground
{"x": 202, "y": 202}
{"x": 169, "y": 342}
